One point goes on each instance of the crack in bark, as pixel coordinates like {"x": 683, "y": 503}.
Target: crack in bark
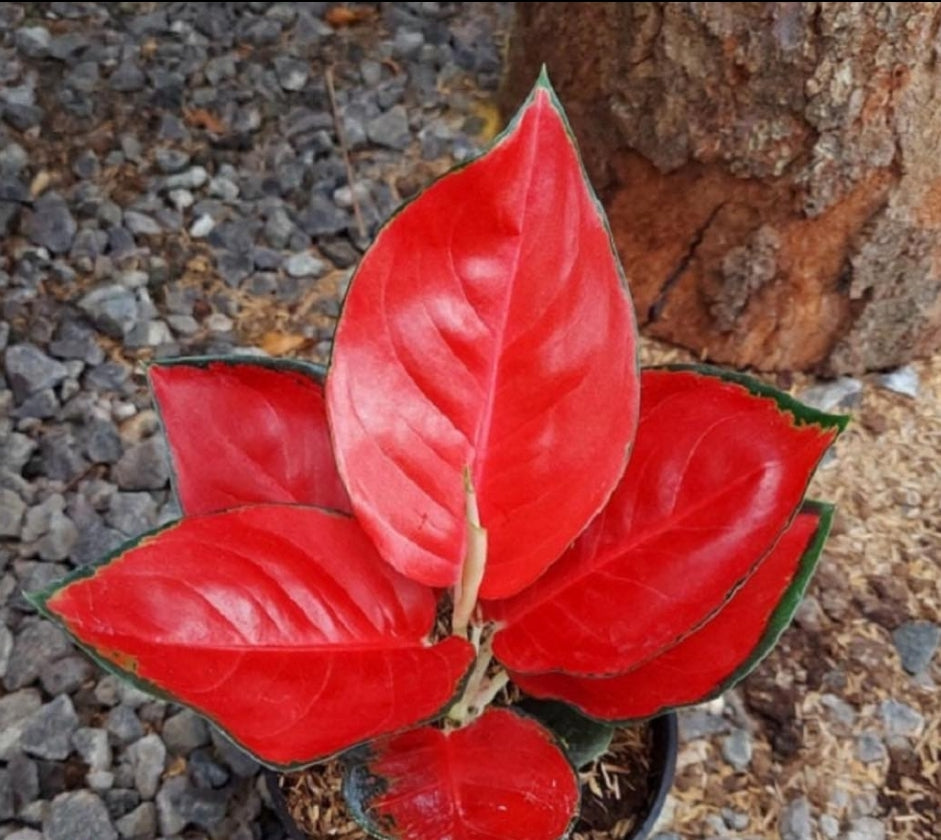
{"x": 660, "y": 301}
{"x": 651, "y": 45}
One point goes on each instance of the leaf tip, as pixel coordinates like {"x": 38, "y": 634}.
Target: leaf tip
{"x": 37, "y": 600}
{"x": 824, "y": 512}
{"x": 542, "y": 82}
{"x": 839, "y": 421}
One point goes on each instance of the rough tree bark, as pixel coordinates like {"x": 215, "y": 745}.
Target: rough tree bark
{"x": 772, "y": 171}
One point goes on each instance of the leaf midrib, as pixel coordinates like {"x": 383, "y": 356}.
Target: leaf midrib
{"x": 485, "y": 424}
{"x": 604, "y": 558}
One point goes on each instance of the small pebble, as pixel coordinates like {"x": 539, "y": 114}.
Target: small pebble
{"x": 92, "y": 745}
{"x": 840, "y": 395}
{"x": 903, "y": 380}
{"x": 390, "y": 129}
{"x": 866, "y": 828}
{"x": 78, "y": 815}
{"x": 171, "y": 160}
{"x": 48, "y": 732}
{"x": 148, "y": 756}
{"x": 795, "y": 822}
{"x": 901, "y": 720}
{"x": 140, "y": 224}
{"x": 916, "y": 643}
{"x": 870, "y": 748}
{"x": 829, "y": 826}
{"x": 737, "y": 749}
{"x": 304, "y": 265}
{"x": 217, "y": 322}
{"x": 202, "y": 227}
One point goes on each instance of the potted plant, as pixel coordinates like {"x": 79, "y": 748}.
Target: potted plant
{"x": 482, "y": 491}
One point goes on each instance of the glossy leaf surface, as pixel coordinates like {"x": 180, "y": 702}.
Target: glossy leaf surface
{"x": 501, "y": 776}
{"x": 718, "y": 655}
{"x": 247, "y": 432}
{"x": 487, "y": 328}
{"x": 279, "y": 623}
{"x": 715, "y": 476}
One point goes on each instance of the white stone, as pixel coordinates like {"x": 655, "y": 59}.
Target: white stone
{"x": 202, "y": 227}
{"x": 903, "y": 380}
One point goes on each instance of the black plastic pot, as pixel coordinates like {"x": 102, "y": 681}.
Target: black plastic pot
{"x": 665, "y": 731}
{"x": 662, "y": 768}
{"x": 280, "y": 806}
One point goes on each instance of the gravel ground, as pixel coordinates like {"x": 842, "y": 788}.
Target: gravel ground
{"x": 173, "y": 181}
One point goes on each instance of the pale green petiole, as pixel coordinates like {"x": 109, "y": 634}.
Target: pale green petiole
{"x": 475, "y": 561}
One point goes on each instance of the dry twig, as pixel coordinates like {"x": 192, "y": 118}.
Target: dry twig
{"x": 341, "y": 139}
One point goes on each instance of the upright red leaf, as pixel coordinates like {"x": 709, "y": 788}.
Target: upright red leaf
{"x": 716, "y": 474}
{"x": 247, "y": 432}
{"x": 279, "y": 623}
{"x": 487, "y": 328}
{"x": 503, "y": 776}
{"x": 716, "y": 656}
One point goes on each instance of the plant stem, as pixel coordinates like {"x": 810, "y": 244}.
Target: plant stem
{"x": 475, "y": 561}
{"x": 489, "y": 690}
{"x": 476, "y": 634}
{"x": 480, "y": 689}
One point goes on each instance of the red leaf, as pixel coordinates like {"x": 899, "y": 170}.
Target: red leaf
{"x": 501, "y": 776}
{"x": 715, "y": 476}
{"x": 488, "y": 327}
{"x": 279, "y": 623}
{"x": 245, "y": 432}
{"x": 715, "y": 657}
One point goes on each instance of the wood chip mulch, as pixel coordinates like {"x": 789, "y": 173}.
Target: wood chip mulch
{"x": 881, "y": 567}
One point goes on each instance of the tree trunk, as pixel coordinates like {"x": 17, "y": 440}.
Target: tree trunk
{"x": 772, "y": 171}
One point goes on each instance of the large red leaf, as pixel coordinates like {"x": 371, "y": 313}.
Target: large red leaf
{"x": 503, "y": 776}
{"x": 487, "y": 328}
{"x": 247, "y": 432}
{"x": 279, "y": 623}
{"x": 716, "y": 474}
{"x": 715, "y": 657}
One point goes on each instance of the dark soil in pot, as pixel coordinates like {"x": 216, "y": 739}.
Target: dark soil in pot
{"x": 622, "y": 792}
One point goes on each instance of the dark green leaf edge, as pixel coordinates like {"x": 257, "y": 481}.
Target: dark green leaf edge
{"x": 39, "y": 599}
{"x": 583, "y": 738}
{"x": 783, "y": 613}
{"x": 360, "y": 787}
{"x": 804, "y": 415}
{"x": 299, "y": 366}
{"x": 542, "y": 84}
{"x": 311, "y": 369}
{"x": 777, "y": 623}
{"x": 801, "y": 414}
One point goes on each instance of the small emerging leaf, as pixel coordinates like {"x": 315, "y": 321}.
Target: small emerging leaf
{"x": 501, "y": 776}
{"x": 488, "y": 328}
{"x": 279, "y": 623}
{"x": 247, "y": 432}
{"x": 716, "y": 475}
{"x": 718, "y": 655}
